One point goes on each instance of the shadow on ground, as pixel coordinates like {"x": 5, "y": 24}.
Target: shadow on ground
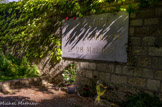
{"x": 43, "y": 97}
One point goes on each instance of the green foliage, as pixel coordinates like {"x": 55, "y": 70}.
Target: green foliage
{"x": 142, "y": 100}
{"x": 15, "y": 68}
{"x": 145, "y": 3}
{"x": 69, "y": 74}
{"x": 32, "y": 27}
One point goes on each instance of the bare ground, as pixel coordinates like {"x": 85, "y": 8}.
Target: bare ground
{"x": 43, "y": 97}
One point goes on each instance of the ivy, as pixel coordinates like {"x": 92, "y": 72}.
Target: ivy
{"x": 32, "y": 27}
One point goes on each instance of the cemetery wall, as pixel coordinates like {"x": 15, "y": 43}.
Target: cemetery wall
{"x": 144, "y": 67}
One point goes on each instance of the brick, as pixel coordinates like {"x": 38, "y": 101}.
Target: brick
{"x": 155, "y": 62}
{"x": 144, "y": 61}
{"x": 145, "y": 13}
{"x": 138, "y": 72}
{"x": 141, "y": 31}
{"x": 131, "y": 31}
{"x": 105, "y": 77}
{"x": 118, "y": 69}
{"x": 155, "y": 51}
{"x": 161, "y": 91}
{"x": 118, "y": 79}
{"x": 92, "y": 66}
{"x": 105, "y": 67}
{"x": 132, "y": 60}
{"x": 148, "y": 73}
{"x": 156, "y": 31}
{"x": 110, "y": 68}
{"x": 88, "y": 74}
{"x": 127, "y": 70}
{"x": 101, "y": 67}
{"x": 148, "y": 41}
{"x": 158, "y": 11}
{"x": 137, "y": 81}
{"x": 136, "y": 22}
{"x": 84, "y": 65}
{"x": 81, "y": 73}
{"x": 148, "y": 31}
{"x": 160, "y": 63}
{"x": 95, "y": 74}
{"x": 135, "y": 41}
{"x": 153, "y": 84}
{"x": 158, "y": 41}
{"x": 158, "y": 74}
{"x": 151, "y": 21}
{"x": 139, "y": 50}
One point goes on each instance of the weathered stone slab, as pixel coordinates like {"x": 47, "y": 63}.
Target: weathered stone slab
{"x": 137, "y": 81}
{"x": 97, "y": 37}
{"x": 118, "y": 79}
{"x": 153, "y": 84}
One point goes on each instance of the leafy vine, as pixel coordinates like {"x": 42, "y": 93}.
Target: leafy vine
{"x": 32, "y": 27}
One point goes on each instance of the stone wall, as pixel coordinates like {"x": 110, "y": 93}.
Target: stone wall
{"x": 143, "y": 71}
{"x": 144, "y": 67}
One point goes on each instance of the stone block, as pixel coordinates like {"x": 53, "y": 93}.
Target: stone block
{"x": 92, "y": 66}
{"x": 144, "y": 61}
{"x": 158, "y": 41}
{"x": 140, "y": 50}
{"x": 139, "y": 82}
{"x": 105, "y": 77}
{"x": 138, "y": 72}
{"x": 151, "y": 21}
{"x": 105, "y": 67}
{"x": 155, "y": 51}
{"x": 135, "y": 41}
{"x": 148, "y": 31}
{"x": 158, "y": 11}
{"x": 153, "y": 84}
{"x": 24, "y": 82}
{"x": 84, "y": 65}
{"x": 145, "y": 13}
{"x": 148, "y": 41}
{"x": 155, "y": 31}
{"x": 160, "y": 63}
{"x": 118, "y": 69}
{"x": 101, "y": 67}
{"x": 118, "y": 79}
{"x": 95, "y": 74}
{"x": 131, "y": 31}
{"x": 127, "y": 70}
{"x": 155, "y": 62}
{"x": 136, "y": 22}
{"x": 88, "y": 74}
{"x": 141, "y": 31}
{"x": 158, "y": 74}
{"x": 161, "y": 90}
{"x": 148, "y": 73}
{"x": 110, "y": 67}
{"x": 6, "y": 87}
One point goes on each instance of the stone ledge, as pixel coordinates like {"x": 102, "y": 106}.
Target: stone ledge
{"x": 6, "y": 86}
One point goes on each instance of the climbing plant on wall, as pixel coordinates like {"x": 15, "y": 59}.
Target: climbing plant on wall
{"x": 32, "y": 27}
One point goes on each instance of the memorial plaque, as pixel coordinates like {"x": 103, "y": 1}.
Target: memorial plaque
{"x": 97, "y": 37}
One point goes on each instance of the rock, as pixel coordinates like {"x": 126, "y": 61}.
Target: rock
{"x": 6, "y": 88}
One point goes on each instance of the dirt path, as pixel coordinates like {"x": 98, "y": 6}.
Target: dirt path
{"x": 41, "y": 97}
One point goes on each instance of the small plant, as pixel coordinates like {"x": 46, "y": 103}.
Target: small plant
{"x": 142, "y": 100}
{"x": 12, "y": 68}
{"x": 69, "y": 74}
